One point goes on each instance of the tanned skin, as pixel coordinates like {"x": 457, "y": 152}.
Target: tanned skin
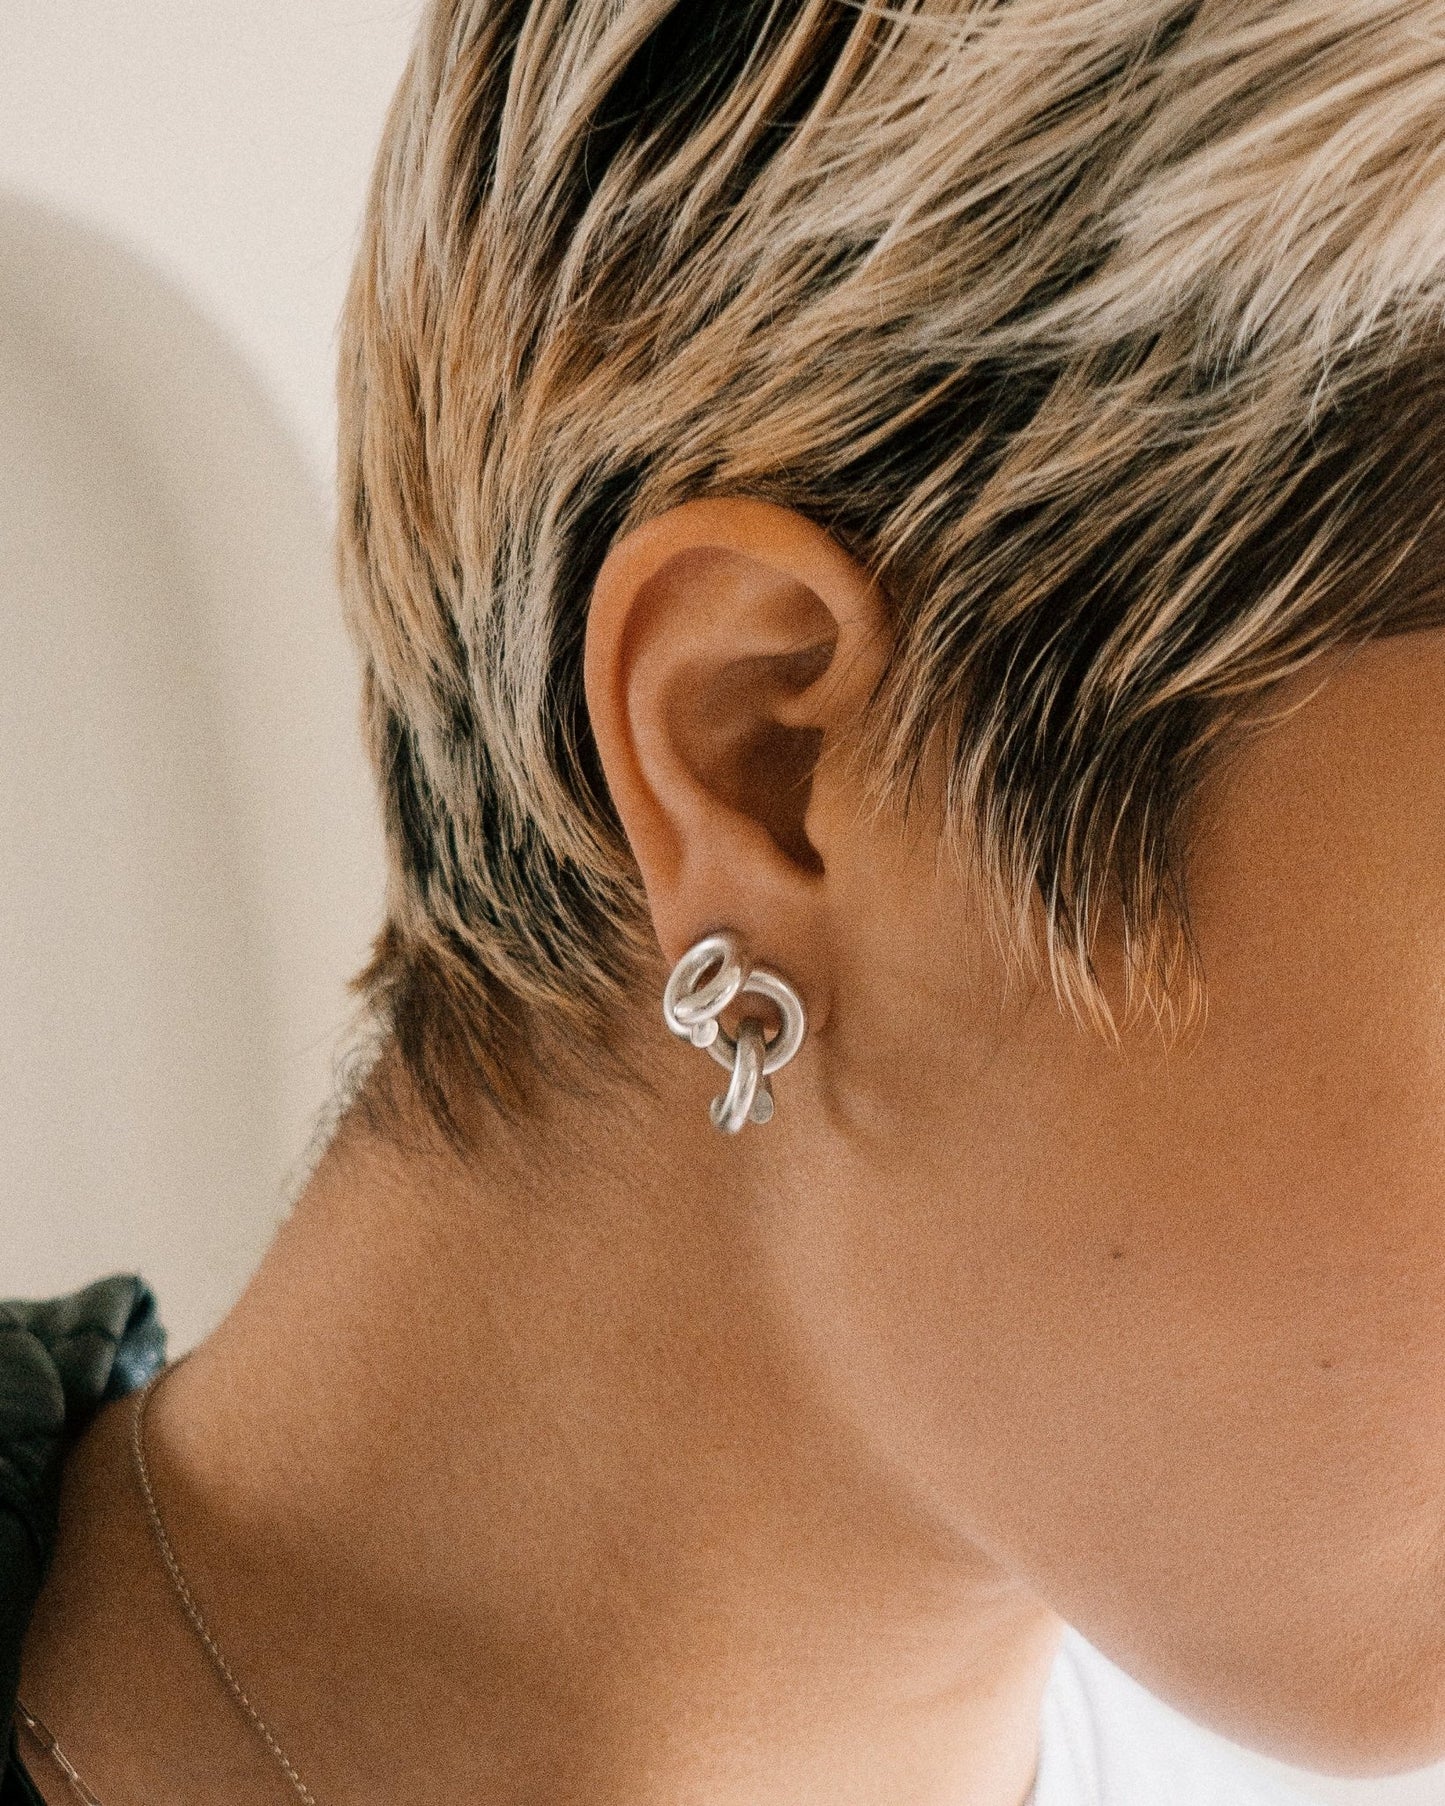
{"x": 623, "y": 1464}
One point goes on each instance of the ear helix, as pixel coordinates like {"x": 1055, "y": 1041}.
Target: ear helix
{"x": 712, "y": 974}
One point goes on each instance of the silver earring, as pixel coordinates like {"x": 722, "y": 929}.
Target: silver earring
{"x": 707, "y": 978}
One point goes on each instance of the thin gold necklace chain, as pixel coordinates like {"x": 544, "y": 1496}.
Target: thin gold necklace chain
{"x": 46, "y": 1740}
{"x": 51, "y": 1750}
{"x": 187, "y": 1599}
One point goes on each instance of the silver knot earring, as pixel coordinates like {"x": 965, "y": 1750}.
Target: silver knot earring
{"x": 707, "y": 978}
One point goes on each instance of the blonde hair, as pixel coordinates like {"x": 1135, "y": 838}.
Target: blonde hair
{"x": 1104, "y": 331}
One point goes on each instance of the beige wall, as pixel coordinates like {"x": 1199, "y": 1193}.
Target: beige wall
{"x": 230, "y": 145}
{"x": 189, "y": 867}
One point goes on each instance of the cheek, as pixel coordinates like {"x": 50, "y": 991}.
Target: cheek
{"x": 1195, "y": 1401}
{"x": 1165, "y": 1334}
{"x": 1166, "y": 1337}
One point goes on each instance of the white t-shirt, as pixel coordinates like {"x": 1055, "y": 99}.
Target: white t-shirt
{"x": 1105, "y": 1741}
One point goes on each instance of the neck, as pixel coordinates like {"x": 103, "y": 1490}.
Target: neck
{"x": 535, "y": 1464}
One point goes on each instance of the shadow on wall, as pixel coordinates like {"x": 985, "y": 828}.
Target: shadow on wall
{"x": 189, "y": 869}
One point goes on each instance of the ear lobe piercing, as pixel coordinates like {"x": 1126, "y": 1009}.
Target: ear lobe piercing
{"x": 710, "y": 976}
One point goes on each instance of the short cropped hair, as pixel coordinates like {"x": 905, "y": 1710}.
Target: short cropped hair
{"x": 1104, "y": 332}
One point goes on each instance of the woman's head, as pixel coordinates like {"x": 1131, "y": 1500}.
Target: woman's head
{"x": 882, "y": 479}
{"x": 1098, "y": 333}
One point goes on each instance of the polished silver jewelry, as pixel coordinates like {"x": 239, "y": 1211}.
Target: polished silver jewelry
{"x": 187, "y": 1599}
{"x": 710, "y": 976}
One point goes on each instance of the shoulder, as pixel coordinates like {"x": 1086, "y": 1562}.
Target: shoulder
{"x": 1107, "y": 1741}
{"x": 61, "y": 1359}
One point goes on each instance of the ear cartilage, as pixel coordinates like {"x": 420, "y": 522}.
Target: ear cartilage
{"x": 710, "y": 976}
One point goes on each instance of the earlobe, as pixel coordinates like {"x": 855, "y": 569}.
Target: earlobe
{"x": 729, "y": 642}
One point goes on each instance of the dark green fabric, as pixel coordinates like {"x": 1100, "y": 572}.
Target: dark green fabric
{"x": 60, "y": 1360}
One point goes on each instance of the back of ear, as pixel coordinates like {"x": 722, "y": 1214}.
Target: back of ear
{"x": 729, "y": 643}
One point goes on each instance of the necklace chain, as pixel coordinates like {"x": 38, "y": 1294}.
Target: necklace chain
{"x": 46, "y": 1739}
{"x": 187, "y": 1599}
{"x": 52, "y": 1751}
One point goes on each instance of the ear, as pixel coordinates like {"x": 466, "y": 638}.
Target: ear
{"x": 730, "y": 645}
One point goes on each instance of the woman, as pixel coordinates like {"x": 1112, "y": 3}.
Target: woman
{"x": 915, "y": 533}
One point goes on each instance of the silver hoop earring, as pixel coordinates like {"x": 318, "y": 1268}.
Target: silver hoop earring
{"x": 709, "y": 977}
